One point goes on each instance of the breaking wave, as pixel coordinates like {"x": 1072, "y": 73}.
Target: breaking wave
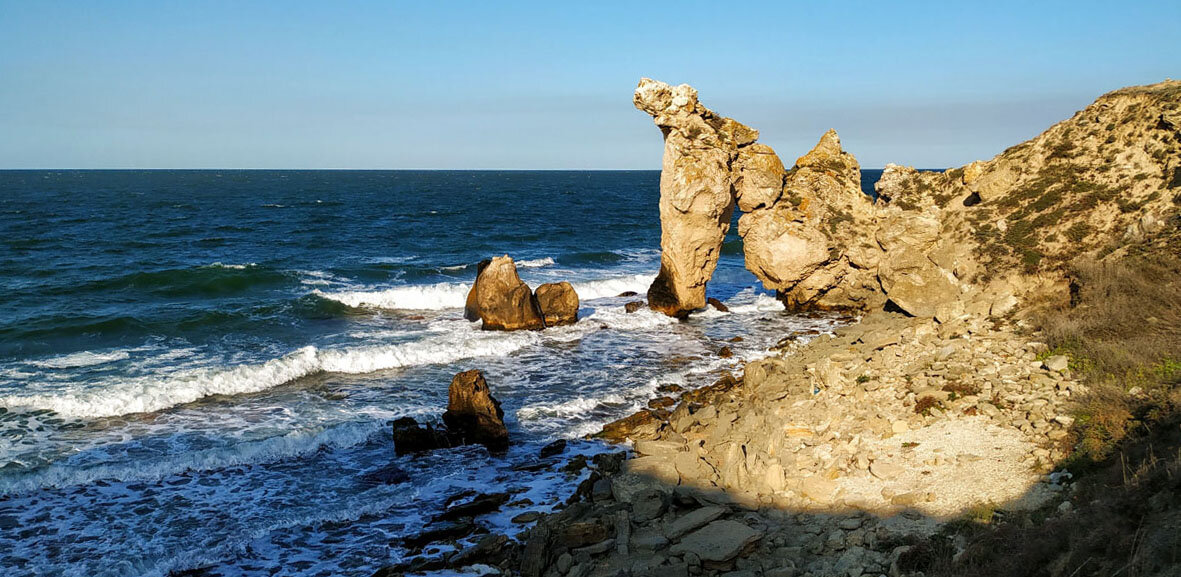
{"x": 155, "y": 393}
{"x": 452, "y": 295}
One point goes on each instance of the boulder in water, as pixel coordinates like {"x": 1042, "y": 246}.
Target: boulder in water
{"x": 558, "y": 302}
{"x": 411, "y": 437}
{"x": 501, "y": 300}
{"x": 473, "y": 415}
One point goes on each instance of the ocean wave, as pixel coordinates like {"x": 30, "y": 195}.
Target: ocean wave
{"x": 268, "y": 450}
{"x": 154, "y": 393}
{"x": 535, "y": 263}
{"x": 410, "y": 297}
{"x": 453, "y": 295}
{"x": 611, "y": 287}
{"x": 81, "y": 359}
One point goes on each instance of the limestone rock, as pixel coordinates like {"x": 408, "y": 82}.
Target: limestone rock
{"x": 696, "y": 191}
{"x": 473, "y": 415}
{"x": 558, "y": 303}
{"x": 719, "y": 541}
{"x": 501, "y": 300}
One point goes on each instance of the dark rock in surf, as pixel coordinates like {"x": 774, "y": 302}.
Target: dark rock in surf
{"x": 717, "y": 304}
{"x": 555, "y": 448}
{"x": 558, "y": 302}
{"x": 473, "y": 415}
{"x": 411, "y": 437}
{"x": 633, "y": 306}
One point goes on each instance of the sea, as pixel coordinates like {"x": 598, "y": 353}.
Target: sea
{"x": 198, "y": 368}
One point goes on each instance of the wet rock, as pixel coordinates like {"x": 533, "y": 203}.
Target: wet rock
{"x": 388, "y": 475}
{"x": 445, "y": 531}
{"x": 558, "y": 302}
{"x": 555, "y": 448}
{"x": 501, "y": 300}
{"x": 633, "y": 306}
{"x": 473, "y": 415}
{"x": 725, "y": 352}
{"x": 410, "y": 437}
{"x": 717, "y": 304}
{"x": 479, "y": 505}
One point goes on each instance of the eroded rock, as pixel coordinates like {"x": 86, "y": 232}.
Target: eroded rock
{"x": 473, "y": 415}
{"x": 501, "y": 300}
{"x": 558, "y": 303}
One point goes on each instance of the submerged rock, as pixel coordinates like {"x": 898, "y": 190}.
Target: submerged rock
{"x": 558, "y": 303}
{"x": 501, "y": 300}
{"x": 473, "y": 415}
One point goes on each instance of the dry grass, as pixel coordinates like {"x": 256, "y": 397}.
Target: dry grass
{"x": 1122, "y": 332}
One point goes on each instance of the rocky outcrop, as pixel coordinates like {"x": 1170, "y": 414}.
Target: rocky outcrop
{"x": 966, "y": 241}
{"x": 473, "y": 416}
{"x": 558, "y": 303}
{"x": 501, "y": 300}
{"x": 696, "y": 191}
{"x": 810, "y": 244}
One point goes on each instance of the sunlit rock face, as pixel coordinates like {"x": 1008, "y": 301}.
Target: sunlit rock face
{"x": 697, "y": 190}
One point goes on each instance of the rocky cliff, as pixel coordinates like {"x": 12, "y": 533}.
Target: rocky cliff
{"x": 967, "y": 242}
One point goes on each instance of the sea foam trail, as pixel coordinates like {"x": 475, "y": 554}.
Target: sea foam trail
{"x": 256, "y": 452}
{"x": 82, "y": 359}
{"x": 150, "y": 394}
{"x": 453, "y": 295}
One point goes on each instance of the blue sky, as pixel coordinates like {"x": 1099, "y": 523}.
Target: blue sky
{"x": 548, "y": 84}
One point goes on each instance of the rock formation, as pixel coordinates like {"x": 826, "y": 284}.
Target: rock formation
{"x": 696, "y": 191}
{"x": 966, "y": 241}
{"x": 473, "y": 415}
{"x": 501, "y": 300}
{"x": 558, "y": 302}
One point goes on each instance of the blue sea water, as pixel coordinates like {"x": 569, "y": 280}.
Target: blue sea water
{"x": 198, "y": 368}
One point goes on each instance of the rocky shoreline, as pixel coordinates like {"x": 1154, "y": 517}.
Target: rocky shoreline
{"x": 850, "y": 453}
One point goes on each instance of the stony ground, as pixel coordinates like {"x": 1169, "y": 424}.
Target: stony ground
{"x": 827, "y": 458}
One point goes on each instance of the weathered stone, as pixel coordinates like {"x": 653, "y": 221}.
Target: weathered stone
{"x": 696, "y": 192}
{"x": 693, "y": 520}
{"x": 558, "y": 303}
{"x": 501, "y": 300}
{"x": 1057, "y": 363}
{"x": 719, "y": 541}
{"x": 473, "y": 415}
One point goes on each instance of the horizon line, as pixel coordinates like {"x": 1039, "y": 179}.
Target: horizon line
{"x": 371, "y": 169}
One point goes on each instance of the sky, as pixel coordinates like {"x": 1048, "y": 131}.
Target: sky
{"x": 547, "y": 85}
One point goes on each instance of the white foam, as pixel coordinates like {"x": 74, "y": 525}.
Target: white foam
{"x": 453, "y": 295}
{"x": 231, "y": 266}
{"x": 609, "y": 405}
{"x": 612, "y": 287}
{"x": 762, "y": 303}
{"x": 411, "y": 297}
{"x": 82, "y": 359}
{"x": 155, "y": 393}
{"x": 535, "y": 263}
{"x": 267, "y": 450}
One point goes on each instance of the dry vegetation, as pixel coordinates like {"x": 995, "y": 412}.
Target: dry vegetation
{"x": 1122, "y": 332}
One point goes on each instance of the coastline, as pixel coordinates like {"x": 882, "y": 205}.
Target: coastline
{"x": 706, "y": 489}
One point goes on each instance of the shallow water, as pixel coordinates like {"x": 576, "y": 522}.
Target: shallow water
{"x": 199, "y": 367}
